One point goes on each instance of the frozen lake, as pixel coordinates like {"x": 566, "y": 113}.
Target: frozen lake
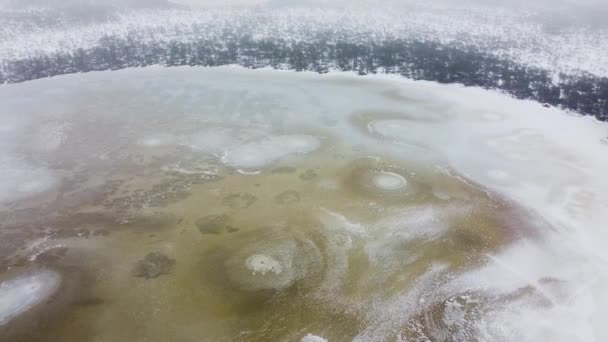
{"x": 221, "y": 204}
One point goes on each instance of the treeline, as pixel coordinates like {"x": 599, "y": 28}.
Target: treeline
{"x": 420, "y": 60}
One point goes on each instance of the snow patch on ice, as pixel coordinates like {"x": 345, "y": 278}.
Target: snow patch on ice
{"x": 312, "y": 338}
{"x": 260, "y": 153}
{"x": 20, "y": 179}
{"x": 389, "y": 181}
{"x": 22, "y": 293}
{"x": 262, "y": 264}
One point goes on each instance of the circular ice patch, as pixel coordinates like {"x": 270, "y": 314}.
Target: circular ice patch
{"x": 389, "y": 181}
{"x": 20, "y": 294}
{"x": 270, "y": 259}
{"x": 380, "y": 179}
{"x": 262, "y": 264}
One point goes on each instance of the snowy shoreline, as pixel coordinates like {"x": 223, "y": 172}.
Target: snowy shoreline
{"x": 500, "y": 50}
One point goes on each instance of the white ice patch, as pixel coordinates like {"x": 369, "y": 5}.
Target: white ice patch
{"x": 11, "y": 126}
{"x": 545, "y": 308}
{"x": 388, "y": 315}
{"x": 423, "y": 222}
{"x": 498, "y": 174}
{"x": 407, "y": 131}
{"x": 193, "y": 168}
{"x": 218, "y": 140}
{"x": 157, "y": 141}
{"x": 20, "y": 180}
{"x": 213, "y": 141}
{"x": 261, "y": 153}
{"x": 271, "y": 261}
{"x": 312, "y": 338}
{"x": 262, "y": 264}
{"x": 51, "y": 135}
{"x": 20, "y": 294}
{"x": 389, "y": 181}
{"x": 339, "y": 223}
{"x": 547, "y": 161}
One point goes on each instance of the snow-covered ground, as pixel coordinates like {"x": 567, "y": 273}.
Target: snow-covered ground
{"x": 521, "y": 34}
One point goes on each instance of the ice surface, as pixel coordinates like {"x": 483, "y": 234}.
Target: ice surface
{"x": 313, "y": 338}
{"x": 261, "y": 153}
{"x": 157, "y": 141}
{"x": 19, "y": 294}
{"x": 260, "y": 263}
{"x": 549, "y": 161}
{"x": 21, "y": 179}
{"x": 389, "y": 181}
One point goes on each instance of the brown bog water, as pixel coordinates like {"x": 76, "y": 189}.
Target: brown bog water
{"x": 224, "y": 205}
